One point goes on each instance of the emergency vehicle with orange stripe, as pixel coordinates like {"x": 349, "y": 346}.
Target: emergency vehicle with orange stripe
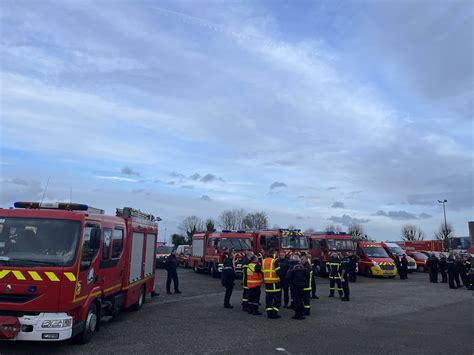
{"x": 283, "y": 241}
{"x": 66, "y": 266}
{"x": 374, "y": 260}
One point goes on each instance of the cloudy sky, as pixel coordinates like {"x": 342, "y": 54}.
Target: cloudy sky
{"x": 317, "y": 112}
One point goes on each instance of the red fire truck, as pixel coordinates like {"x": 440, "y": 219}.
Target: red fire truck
{"x": 424, "y": 245}
{"x": 281, "y": 240}
{"x": 64, "y": 266}
{"x": 323, "y": 244}
{"x": 374, "y": 260}
{"x": 208, "y": 249}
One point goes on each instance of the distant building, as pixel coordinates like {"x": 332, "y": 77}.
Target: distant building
{"x": 471, "y": 231}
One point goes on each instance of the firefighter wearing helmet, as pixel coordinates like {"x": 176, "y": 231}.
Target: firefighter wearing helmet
{"x": 271, "y": 277}
{"x": 335, "y": 275}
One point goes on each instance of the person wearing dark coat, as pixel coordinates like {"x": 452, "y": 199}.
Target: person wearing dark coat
{"x": 228, "y": 277}
{"x": 353, "y": 259}
{"x": 442, "y": 268}
{"x": 315, "y": 268}
{"x": 293, "y": 262}
{"x": 398, "y": 266}
{"x": 284, "y": 264}
{"x": 404, "y": 267}
{"x": 467, "y": 269}
{"x": 432, "y": 263}
{"x": 450, "y": 265}
{"x": 297, "y": 278}
{"x": 171, "y": 266}
{"x": 458, "y": 269}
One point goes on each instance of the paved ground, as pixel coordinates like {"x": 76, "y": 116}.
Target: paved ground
{"x": 384, "y": 316}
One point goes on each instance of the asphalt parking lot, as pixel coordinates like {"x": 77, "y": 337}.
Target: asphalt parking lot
{"x": 384, "y": 316}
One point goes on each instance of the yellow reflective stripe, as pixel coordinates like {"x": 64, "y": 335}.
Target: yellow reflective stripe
{"x": 269, "y": 309}
{"x": 277, "y": 290}
{"x": 272, "y": 279}
{"x": 307, "y": 289}
{"x": 307, "y": 306}
{"x": 70, "y": 276}
{"x": 18, "y": 275}
{"x": 35, "y": 276}
{"x": 51, "y": 275}
{"x": 3, "y": 273}
{"x": 254, "y": 281}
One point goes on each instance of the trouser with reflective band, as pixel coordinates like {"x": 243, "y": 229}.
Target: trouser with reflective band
{"x": 307, "y": 301}
{"x": 332, "y": 284}
{"x": 254, "y": 299}
{"x": 286, "y": 294}
{"x": 345, "y": 288}
{"x": 272, "y": 298}
{"x": 313, "y": 285}
{"x": 245, "y": 298}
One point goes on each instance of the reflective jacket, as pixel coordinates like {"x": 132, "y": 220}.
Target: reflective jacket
{"x": 254, "y": 275}
{"x": 270, "y": 270}
{"x": 335, "y": 268}
{"x": 307, "y": 286}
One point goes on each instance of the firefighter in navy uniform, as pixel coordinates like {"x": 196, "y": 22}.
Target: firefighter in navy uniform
{"x": 171, "y": 266}
{"x": 467, "y": 269}
{"x": 335, "y": 275}
{"x": 450, "y": 266}
{"x": 353, "y": 264}
{"x": 228, "y": 277}
{"x": 432, "y": 263}
{"x": 245, "y": 294}
{"x": 297, "y": 276}
{"x": 346, "y": 272}
{"x": 404, "y": 267}
{"x": 284, "y": 264}
{"x": 254, "y": 282}
{"x": 307, "y": 287}
{"x": 314, "y": 267}
{"x": 271, "y": 279}
{"x": 442, "y": 268}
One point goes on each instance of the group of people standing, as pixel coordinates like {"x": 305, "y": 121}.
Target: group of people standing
{"x": 291, "y": 276}
{"x": 454, "y": 270}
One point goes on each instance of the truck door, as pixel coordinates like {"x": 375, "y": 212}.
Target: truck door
{"x": 111, "y": 267}
{"x": 89, "y": 264}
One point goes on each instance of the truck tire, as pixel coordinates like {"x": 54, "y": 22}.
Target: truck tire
{"x": 368, "y": 272}
{"x": 90, "y": 324}
{"x": 420, "y": 268}
{"x": 141, "y": 300}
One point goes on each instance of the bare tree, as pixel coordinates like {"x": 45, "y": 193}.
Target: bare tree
{"x": 333, "y": 228}
{"x": 232, "y": 219}
{"x": 256, "y": 221}
{"x": 357, "y": 232}
{"x": 444, "y": 233}
{"x": 191, "y": 225}
{"x": 412, "y": 232}
{"x": 210, "y": 225}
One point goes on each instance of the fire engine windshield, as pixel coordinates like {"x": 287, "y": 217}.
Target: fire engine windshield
{"x": 294, "y": 242}
{"x": 237, "y": 243}
{"x": 375, "y": 252}
{"x": 38, "y": 241}
{"x": 397, "y": 251}
{"x": 338, "y": 244}
{"x": 164, "y": 249}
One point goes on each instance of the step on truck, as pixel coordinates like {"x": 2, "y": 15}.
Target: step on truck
{"x": 208, "y": 249}
{"x": 66, "y": 266}
{"x": 323, "y": 244}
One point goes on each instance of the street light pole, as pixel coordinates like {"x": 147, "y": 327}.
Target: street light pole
{"x": 445, "y": 223}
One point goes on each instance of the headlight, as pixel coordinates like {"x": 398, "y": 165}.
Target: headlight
{"x": 57, "y": 323}
{"x": 376, "y": 264}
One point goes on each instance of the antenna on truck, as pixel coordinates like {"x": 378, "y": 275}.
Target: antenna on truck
{"x": 45, "y": 188}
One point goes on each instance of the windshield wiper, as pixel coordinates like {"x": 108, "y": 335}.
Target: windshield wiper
{"x": 38, "y": 262}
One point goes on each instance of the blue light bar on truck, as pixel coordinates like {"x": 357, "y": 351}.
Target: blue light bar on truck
{"x": 58, "y": 206}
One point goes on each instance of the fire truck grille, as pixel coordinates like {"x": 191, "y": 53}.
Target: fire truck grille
{"x": 387, "y": 267}
{"x": 17, "y": 313}
{"x": 13, "y": 298}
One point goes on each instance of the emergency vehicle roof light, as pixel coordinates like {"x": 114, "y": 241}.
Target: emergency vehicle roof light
{"x": 58, "y": 206}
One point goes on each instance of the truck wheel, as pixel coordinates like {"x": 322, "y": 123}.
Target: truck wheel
{"x": 421, "y": 268}
{"x": 141, "y": 300}
{"x": 368, "y": 272}
{"x": 90, "y": 324}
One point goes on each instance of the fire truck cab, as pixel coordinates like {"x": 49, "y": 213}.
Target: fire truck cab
{"x": 283, "y": 241}
{"x": 208, "y": 249}
{"x": 323, "y": 244}
{"x": 374, "y": 260}
{"x": 64, "y": 266}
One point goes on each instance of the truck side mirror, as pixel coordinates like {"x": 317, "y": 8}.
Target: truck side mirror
{"x": 94, "y": 242}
